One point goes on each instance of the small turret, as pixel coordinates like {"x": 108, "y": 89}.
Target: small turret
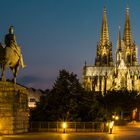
{"x": 119, "y": 40}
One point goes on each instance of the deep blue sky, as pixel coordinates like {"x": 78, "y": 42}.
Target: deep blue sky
{"x": 57, "y": 34}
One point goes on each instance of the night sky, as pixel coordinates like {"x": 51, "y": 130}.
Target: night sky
{"x": 62, "y": 34}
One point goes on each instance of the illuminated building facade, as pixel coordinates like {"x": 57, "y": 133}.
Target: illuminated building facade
{"x": 33, "y": 97}
{"x": 107, "y": 74}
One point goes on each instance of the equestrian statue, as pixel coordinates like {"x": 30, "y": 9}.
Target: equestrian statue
{"x": 10, "y": 55}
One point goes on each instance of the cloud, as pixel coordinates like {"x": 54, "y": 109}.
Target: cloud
{"x": 35, "y": 82}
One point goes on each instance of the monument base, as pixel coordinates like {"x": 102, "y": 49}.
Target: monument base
{"x": 14, "y": 112}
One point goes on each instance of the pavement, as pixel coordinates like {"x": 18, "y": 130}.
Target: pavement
{"x": 129, "y": 132}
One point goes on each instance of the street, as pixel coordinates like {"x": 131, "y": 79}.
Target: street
{"x": 130, "y": 132}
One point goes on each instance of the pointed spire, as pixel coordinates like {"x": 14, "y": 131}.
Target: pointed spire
{"x": 119, "y": 39}
{"x": 127, "y": 36}
{"x": 104, "y": 37}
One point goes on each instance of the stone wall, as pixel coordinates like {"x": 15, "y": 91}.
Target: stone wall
{"x": 13, "y": 108}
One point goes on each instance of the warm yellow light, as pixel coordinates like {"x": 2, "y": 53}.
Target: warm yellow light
{"x": 64, "y": 125}
{"x": 111, "y": 124}
{"x": 107, "y": 124}
{"x": 117, "y": 118}
{"x": 113, "y": 116}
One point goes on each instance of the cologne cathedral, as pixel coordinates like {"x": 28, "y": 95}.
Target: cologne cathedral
{"x": 107, "y": 74}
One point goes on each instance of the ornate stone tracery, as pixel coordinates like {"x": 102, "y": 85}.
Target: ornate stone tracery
{"x": 108, "y": 75}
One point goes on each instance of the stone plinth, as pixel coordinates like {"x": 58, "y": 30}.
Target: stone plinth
{"x": 13, "y": 108}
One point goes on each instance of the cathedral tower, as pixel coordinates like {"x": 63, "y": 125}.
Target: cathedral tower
{"x": 131, "y": 58}
{"x": 104, "y": 47}
{"x": 105, "y": 76}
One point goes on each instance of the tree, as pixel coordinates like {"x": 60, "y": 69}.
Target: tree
{"x": 63, "y": 99}
{"x": 120, "y": 101}
{"x": 68, "y": 101}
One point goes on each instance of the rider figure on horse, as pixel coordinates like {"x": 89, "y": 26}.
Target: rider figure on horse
{"x": 10, "y": 41}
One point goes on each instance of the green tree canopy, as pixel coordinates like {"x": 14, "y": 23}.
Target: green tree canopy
{"x": 68, "y": 101}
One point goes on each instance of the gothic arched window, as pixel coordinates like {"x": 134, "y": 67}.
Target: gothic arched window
{"x": 128, "y": 59}
{"x": 104, "y": 59}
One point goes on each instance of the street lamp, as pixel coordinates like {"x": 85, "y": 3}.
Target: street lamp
{"x": 113, "y": 116}
{"x": 111, "y": 124}
{"x": 116, "y": 118}
{"x": 64, "y": 125}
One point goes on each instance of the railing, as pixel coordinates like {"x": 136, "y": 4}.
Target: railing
{"x": 69, "y": 126}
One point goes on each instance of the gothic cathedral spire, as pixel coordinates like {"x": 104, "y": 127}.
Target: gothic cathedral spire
{"x": 131, "y": 58}
{"x": 127, "y": 36}
{"x": 104, "y": 47}
{"x": 106, "y": 75}
{"x": 119, "y": 50}
{"x": 104, "y": 36}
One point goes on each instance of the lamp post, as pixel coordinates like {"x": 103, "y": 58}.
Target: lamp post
{"x": 64, "y": 125}
{"x": 111, "y": 124}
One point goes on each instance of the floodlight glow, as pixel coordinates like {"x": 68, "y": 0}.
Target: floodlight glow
{"x": 113, "y": 116}
{"x": 111, "y": 124}
{"x": 64, "y": 125}
{"x": 116, "y": 118}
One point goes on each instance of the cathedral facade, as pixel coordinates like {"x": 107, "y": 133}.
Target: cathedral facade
{"x": 108, "y": 74}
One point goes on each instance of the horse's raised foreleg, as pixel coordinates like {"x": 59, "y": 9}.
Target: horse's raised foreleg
{"x": 3, "y": 72}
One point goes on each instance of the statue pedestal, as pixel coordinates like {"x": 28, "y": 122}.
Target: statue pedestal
{"x": 14, "y": 112}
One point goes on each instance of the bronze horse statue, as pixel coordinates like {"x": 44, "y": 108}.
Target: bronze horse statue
{"x": 9, "y": 58}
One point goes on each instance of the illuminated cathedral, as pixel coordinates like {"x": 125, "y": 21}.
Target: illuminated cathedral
{"x": 119, "y": 74}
